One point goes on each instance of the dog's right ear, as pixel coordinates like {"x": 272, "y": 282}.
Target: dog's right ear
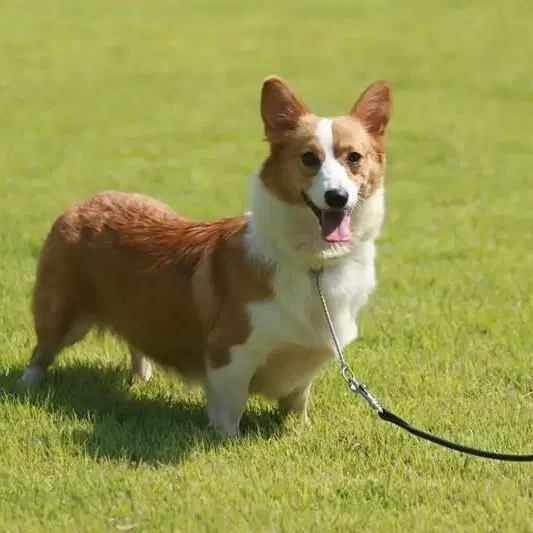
{"x": 281, "y": 108}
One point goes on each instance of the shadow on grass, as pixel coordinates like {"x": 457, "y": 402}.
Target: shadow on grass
{"x": 123, "y": 424}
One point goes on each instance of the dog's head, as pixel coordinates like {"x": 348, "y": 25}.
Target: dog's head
{"x": 329, "y": 165}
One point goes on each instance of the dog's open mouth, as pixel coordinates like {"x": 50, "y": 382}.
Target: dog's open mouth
{"x": 335, "y": 223}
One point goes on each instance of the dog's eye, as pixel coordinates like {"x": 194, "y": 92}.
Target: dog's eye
{"x": 310, "y": 159}
{"x": 353, "y": 157}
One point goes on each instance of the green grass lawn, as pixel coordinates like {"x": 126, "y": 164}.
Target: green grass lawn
{"x": 160, "y": 98}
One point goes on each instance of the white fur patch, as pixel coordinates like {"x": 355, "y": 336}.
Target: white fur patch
{"x": 280, "y": 233}
{"x": 227, "y": 388}
{"x": 332, "y": 175}
{"x": 293, "y": 317}
{"x": 288, "y": 239}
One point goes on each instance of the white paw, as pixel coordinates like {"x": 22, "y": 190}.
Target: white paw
{"x": 141, "y": 365}
{"x": 31, "y": 375}
{"x": 145, "y": 371}
{"x": 222, "y": 423}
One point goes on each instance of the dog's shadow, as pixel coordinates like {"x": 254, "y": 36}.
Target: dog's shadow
{"x": 129, "y": 426}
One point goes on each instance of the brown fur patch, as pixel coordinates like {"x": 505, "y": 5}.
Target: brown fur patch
{"x": 170, "y": 287}
{"x": 349, "y": 135}
{"x": 282, "y": 173}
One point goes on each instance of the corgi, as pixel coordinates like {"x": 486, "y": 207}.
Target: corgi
{"x": 230, "y": 304}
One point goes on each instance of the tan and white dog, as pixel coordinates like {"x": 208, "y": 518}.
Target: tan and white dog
{"x": 230, "y": 303}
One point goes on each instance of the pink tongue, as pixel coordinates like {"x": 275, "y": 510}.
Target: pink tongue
{"x": 336, "y": 226}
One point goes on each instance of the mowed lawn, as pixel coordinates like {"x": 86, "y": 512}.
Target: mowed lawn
{"x": 161, "y": 97}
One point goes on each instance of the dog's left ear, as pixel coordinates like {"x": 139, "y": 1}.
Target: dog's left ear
{"x": 373, "y": 108}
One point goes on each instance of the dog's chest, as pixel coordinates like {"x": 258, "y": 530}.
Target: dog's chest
{"x": 295, "y": 317}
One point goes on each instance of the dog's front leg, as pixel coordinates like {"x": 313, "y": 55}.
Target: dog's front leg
{"x": 227, "y": 389}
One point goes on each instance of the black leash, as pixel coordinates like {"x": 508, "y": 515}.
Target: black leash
{"x": 400, "y": 422}
{"x": 386, "y": 415}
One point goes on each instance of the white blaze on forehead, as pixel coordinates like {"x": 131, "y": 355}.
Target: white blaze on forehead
{"x": 332, "y": 174}
{"x": 324, "y": 133}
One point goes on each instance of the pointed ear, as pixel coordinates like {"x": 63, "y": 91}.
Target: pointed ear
{"x": 280, "y": 107}
{"x": 374, "y": 107}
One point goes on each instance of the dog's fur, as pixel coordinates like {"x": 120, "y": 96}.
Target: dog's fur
{"x": 230, "y": 304}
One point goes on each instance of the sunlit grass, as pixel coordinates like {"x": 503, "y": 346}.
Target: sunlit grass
{"x": 161, "y": 97}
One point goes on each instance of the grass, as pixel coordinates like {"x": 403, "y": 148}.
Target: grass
{"x": 161, "y": 97}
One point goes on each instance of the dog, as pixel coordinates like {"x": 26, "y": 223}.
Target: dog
{"x": 230, "y": 304}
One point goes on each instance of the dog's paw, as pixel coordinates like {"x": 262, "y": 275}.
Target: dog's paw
{"x": 31, "y": 375}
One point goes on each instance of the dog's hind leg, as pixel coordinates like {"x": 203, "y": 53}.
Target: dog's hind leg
{"x": 140, "y": 364}
{"x": 51, "y": 339}
{"x": 296, "y": 402}
{"x": 57, "y": 317}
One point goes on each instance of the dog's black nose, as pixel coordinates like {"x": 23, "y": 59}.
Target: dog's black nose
{"x": 336, "y": 198}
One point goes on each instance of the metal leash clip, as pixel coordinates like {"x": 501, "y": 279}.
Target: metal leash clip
{"x": 373, "y": 402}
{"x": 359, "y": 388}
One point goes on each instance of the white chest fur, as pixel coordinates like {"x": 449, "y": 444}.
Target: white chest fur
{"x": 289, "y": 339}
{"x": 292, "y": 324}
{"x": 295, "y": 314}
